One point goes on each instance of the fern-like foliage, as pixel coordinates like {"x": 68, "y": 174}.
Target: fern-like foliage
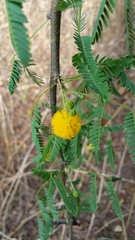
{"x": 67, "y": 197}
{"x": 43, "y": 174}
{"x": 47, "y": 220}
{"x": 44, "y": 156}
{"x": 79, "y": 18}
{"x": 56, "y": 146}
{"x": 36, "y": 135}
{"x": 85, "y": 203}
{"x": 51, "y": 106}
{"x": 50, "y": 202}
{"x": 95, "y": 129}
{"x": 124, "y": 81}
{"x": 86, "y": 65}
{"x": 103, "y": 16}
{"x": 35, "y": 77}
{"x": 113, "y": 67}
{"x": 130, "y": 28}
{"x": 93, "y": 192}
{"x": 66, "y": 4}
{"x": 18, "y": 32}
{"x": 113, "y": 197}
{"x": 45, "y": 130}
{"x": 112, "y": 129}
{"x": 41, "y": 228}
{"x": 92, "y": 108}
{"x": 75, "y": 149}
{"x": 110, "y": 154}
{"x": 15, "y": 76}
{"x": 129, "y": 132}
{"x": 84, "y": 61}
{"x": 99, "y": 157}
{"x": 48, "y": 212}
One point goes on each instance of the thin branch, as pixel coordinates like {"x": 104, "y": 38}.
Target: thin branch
{"x": 55, "y": 71}
{"x": 55, "y": 18}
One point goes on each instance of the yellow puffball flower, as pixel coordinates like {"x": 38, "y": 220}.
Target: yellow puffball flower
{"x": 64, "y": 125}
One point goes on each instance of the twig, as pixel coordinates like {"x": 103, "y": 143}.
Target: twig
{"x": 131, "y": 210}
{"x": 6, "y": 237}
{"x": 124, "y": 234}
{"x": 70, "y": 227}
{"x": 118, "y": 174}
{"x": 55, "y": 19}
{"x": 98, "y": 199}
{"x": 63, "y": 232}
{"x": 108, "y": 223}
{"x": 23, "y": 222}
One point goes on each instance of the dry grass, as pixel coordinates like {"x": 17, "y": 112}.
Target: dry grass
{"x": 18, "y": 208}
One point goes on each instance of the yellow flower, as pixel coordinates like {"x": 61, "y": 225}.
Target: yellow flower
{"x": 90, "y": 147}
{"x": 47, "y": 157}
{"x": 64, "y": 125}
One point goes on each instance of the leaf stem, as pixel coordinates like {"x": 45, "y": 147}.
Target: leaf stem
{"x": 38, "y": 98}
{"x": 38, "y": 29}
{"x": 40, "y": 190}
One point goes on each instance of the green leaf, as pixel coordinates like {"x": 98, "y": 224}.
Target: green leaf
{"x": 114, "y": 91}
{"x": 50, "y": 202}
{"x": 85, "y": 203}
{"x": 95, "y": 129}
{"x": 51, "y": 205}
{"x": 94, "y": 109}
{"x": 46, "y": 152}
{"x": 102, "y": 18}
{"x": 67, "y": 197}
{"x": 99, "y": 157}
{"x": 43, "y": 174}
{"x": 51, "y": 106}
{"x": 35, "y": 77}
{"x": 15, "y": 76}
{"x": 41, "y": 228}
{"x": 75, "y": 150}
{"x": 113, "y": 67}
{"x": 124, "y": 81}
{"x": 130, "y": 28}
{"x": 93, "y": 192}
{"x": 84, "y": 61}
{"x": 113, "y": 197}
{"x": 112, "y": 129}
{"x": 45, "y": 130}
{"x": 114, "y": 178}
{"x": 129, "y": 132}
{"x": 66, "y": 4}
{"x": 56, "y": 145}
{"x": 36, "y": 135}
{"x": 47, "y": 218}
{"x": 18, "y": 32}
{"x": 79, "y": 20}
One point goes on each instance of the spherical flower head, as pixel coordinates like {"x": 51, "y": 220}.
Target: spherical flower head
{"x": 64, "y": 125}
